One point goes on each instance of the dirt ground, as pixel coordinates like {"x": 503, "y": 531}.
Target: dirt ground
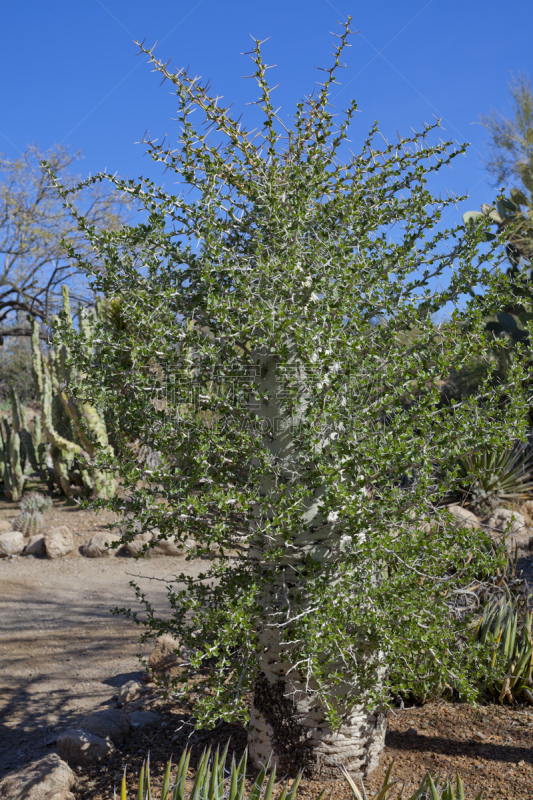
{"x": 63, "y": 654}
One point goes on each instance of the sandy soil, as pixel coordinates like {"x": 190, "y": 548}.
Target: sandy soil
{"x": 62, "y": 653}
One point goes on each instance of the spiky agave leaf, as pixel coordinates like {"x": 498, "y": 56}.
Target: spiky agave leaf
{"x": 489, "y": 477}
{"x": 211, "y": 783}
{"x": 513, "y": 643}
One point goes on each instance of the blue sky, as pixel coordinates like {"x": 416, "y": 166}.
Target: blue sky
{"x": 72, "y": 74}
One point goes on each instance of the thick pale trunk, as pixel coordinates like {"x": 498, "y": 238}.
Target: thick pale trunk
{"x": 288, "y": 723}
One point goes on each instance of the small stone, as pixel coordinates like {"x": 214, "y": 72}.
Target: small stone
{"x": 11, "y": 543}
{"x": 98, "y": 545}
{"x": 81, "y": 748}
{"x": 129, "y": 692}
{"x": 134, "y": 547}
{"x": 143, "y": 719}
{"x": 412, "y": 732}
{"x": 167, "y": 658}
{"x": 49, "y": 778}
{"x": 464, "y": 517}
{"x": 110, "y": 723}
{"x": 35, "y": 546}
{"x": 168, "y": 547}
{"x": 511, "y": 522}
{"x": 58, "y": 542}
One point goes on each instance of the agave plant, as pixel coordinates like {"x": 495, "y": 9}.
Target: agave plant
{"x": 514, "y": 644}
{"x": 430, "y": 788}
{"x": 211, "y": 783}
{"x": 489, "y": 477}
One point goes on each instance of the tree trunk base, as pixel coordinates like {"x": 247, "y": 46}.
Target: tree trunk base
{"x": 296, "y": 737}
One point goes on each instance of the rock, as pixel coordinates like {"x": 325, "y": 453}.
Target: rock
{"x": 110, "y": 723}
{"x": 35, "y": 546}
{"x": 58, "y": 542}
{"x": 527, "y": 512}
{"x": 168, "y": 547}
{"x": 98, "y": 545}
{"x": 11, "y": 543}
{"x": 5, "y": 526}
{"x": 49, "y": 778}
{"x": 165, "y": 660}
{"x": 517, "y": 533}
{"x": 134, "y": 547}
{"x": 129, "y": 692}
{"x": 505, "y": 520}
{"x": 465, "y": 518}
{"x": 528, "y": 507}
{"x": 143, "y": 719}
{"x": 81, "y": 748}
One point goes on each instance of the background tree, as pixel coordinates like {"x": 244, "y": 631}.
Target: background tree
{"x": 33, "y": 222}
{"x": 511, "y": 158}
{"x": 322, "y": 447}
{"x": 511, "y": 139}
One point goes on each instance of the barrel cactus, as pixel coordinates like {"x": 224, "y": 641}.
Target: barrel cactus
{"x": 29, "y": 522}
{"x": 35, "y": 501}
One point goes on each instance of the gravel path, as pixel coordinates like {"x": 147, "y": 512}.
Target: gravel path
{"x": 62, "y": 653}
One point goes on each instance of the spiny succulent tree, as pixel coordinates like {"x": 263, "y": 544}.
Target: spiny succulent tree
{"x": 263, "y": 356}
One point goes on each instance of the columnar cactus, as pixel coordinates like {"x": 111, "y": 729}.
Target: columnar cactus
{"x": 74, "y": 430}
{"x": 13, "y": 452}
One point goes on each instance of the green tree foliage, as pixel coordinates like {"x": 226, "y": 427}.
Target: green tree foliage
{"x": 315, "y": 471}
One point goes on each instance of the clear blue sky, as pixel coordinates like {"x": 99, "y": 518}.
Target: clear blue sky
{"x": 71, "y": 73}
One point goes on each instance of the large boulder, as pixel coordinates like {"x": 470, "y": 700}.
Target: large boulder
{"x": 98, "y": 545}
{"x": 168, "y": 658}
{"x": 464, "y": 518}
{"x": 58, "y": 542}
{"x": 49, "y": 778}
{"x": 111, "y": 723}
{"x": 35, "y": 546}
{"x": 11, "y": 543}
{"x": 81, "y": 748}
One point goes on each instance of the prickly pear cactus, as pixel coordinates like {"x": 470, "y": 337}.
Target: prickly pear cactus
{"x": 29, "y": 522}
